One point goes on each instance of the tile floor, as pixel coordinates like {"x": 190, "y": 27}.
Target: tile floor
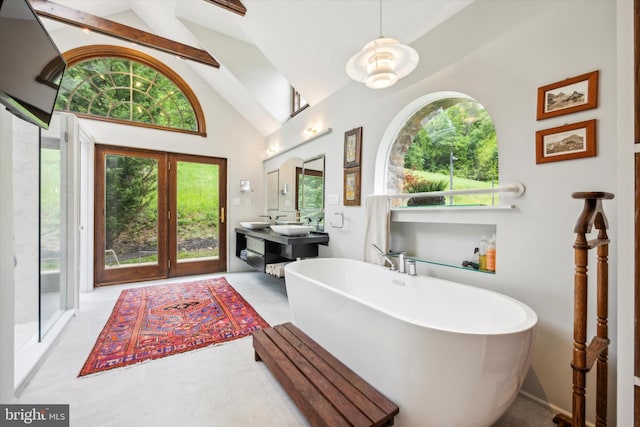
{"x": 215, "y": 386}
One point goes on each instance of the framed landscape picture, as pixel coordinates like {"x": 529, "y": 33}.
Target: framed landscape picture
{"x": 351, "y": 189}
{"x": 566, "y": 142}
{"x": 352, "y": 147}
{"x": 568, "y": 96}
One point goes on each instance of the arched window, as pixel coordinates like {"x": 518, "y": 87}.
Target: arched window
{"x": 126, "y": 86}
{"x": 439, "y": 142}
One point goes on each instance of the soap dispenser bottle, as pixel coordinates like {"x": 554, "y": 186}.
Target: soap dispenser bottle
{"x": 482, "y": 249}
{"x": 491, "y": 254}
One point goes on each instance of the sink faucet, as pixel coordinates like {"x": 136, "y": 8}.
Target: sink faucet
{"x": 266, "y": 216}
{"x": 392, "y": 266}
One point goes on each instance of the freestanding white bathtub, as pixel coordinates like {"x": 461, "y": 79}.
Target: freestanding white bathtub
{"x": 449, "y": 355}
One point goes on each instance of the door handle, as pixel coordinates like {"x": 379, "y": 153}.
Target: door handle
{"x": 222, "y": 215}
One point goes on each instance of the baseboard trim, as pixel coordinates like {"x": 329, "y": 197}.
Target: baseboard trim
{"x": 555, "y": 409}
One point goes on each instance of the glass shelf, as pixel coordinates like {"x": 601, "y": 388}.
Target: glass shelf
{"x": 443, "y": 264}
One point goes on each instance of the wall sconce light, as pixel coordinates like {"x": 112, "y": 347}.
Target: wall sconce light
{"x": 313, "y": 133}
{"x": 285, "y": 189}
{"x": 245, "y": 186}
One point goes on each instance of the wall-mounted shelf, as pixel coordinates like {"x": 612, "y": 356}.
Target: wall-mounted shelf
{"x": 444, "y": 264}
{"x": 262, "y": 247}
{"x": 449, "y": 214}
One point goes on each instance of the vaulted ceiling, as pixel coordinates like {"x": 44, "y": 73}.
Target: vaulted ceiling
{"x": 277, "y": 43}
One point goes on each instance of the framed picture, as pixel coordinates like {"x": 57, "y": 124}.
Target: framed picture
{"x": 352, "y": 187}
{"x": 566, "y": 142}
{"x": 352, "y": 147}
{"x": 568, "y": 96}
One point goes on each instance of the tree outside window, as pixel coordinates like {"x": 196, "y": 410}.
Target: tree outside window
{"x": 447, "y": 144}
{"x": 126, "y": 86}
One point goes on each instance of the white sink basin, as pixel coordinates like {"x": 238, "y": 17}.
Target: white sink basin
{"x": 285, "y": 222}
{"x": 255, "y": 225}
{"x": 291, "y": 230}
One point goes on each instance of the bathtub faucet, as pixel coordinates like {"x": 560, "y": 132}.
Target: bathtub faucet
{"x": 392, "y": 266}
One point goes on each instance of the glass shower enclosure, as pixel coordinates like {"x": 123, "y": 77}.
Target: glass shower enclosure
{"x": 54, "y": 270}
{"x": 46, "y": 220}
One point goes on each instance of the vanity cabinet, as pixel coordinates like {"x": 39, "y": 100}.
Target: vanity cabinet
{"x": 262, "y": 247}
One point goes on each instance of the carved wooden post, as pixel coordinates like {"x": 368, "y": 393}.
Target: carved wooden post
{"x": 579, "y": 360}
{"x": 584, "y": 356}
{"x": 602, "y": 328}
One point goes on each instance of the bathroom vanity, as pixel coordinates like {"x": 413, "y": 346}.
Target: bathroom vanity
{"x": 261, "y": 247}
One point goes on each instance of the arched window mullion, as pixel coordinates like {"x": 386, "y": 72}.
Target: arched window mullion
{"x": 190, "y": 120}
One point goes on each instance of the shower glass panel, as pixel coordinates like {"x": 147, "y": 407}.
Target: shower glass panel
{"x": 53, "y": 231}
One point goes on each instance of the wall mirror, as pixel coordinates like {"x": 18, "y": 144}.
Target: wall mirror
{"x": 288, "y": 191}
{"x": 272, "y": 190}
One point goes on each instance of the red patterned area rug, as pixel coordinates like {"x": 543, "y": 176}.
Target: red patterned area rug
{"x": 157, "y": 321}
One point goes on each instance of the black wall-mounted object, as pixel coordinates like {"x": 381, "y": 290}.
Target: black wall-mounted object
{"x": 31, "y": 66}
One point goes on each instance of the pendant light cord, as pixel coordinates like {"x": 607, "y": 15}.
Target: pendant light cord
{"x": 375, "y": 55}
{"x": 381, "y": 18}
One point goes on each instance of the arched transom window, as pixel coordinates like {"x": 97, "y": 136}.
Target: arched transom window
{"x": 442, "y": 142}
{"x": 126, "y": 86}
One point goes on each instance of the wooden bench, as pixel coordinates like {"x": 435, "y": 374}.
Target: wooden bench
{"x": 326, "y": 391}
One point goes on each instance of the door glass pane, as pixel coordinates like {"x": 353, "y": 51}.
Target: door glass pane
{"x": 197, "y": 211}
{"x": 131, "y": 211}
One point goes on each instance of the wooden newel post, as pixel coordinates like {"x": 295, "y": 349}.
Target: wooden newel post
{"x": 585, "y": 355}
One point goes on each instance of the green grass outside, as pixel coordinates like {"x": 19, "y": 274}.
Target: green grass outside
{"x": 197, "y": 194}
{"x": 207, "y": 253}
{"x": 198, "y": 191}
{"x": 50, "y": 205}
{"x": 459, "y": 184}
{"x": 197, "y": 204}
{"x": 198, "y": 207}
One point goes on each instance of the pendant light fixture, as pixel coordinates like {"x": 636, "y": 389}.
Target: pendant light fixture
{"x": 382, "y": 62}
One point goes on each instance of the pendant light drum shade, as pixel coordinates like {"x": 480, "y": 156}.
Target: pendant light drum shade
{"x": 382, "y": 62}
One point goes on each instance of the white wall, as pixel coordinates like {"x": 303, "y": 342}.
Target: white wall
{"x": 499, "y": 53}
{"x": 625, "y": 195}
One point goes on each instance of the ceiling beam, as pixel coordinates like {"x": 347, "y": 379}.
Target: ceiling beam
{"x": 234, "y": 6}
{"x": 104, "y": 26}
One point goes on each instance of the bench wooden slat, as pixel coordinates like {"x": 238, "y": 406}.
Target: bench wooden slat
{"x": 373, "y": 413}
{"x": 325, "y": 390}
{"x": 386, "y": 405}
{"x": 317, "y": 409}
{"x": 324, "y": 386}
